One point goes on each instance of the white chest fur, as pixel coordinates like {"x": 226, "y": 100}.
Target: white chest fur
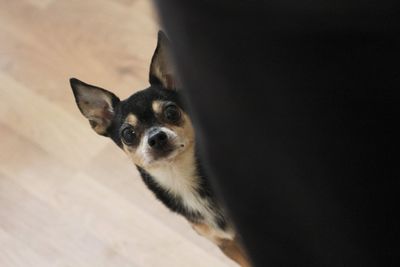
{"x": 179, "y": 178}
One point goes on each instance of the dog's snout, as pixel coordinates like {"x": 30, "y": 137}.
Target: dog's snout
{"x": 158, "y": 140}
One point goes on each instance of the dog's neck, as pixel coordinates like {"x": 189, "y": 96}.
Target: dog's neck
{"x": 178, "y": 176}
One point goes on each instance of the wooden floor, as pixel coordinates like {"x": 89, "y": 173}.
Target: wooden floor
{"x": 68, "y": 197}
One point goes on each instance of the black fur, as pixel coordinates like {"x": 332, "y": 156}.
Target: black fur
{"x": 205, "y": 191}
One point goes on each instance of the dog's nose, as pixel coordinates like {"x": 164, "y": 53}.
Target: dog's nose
{"x": 158, "y": 140}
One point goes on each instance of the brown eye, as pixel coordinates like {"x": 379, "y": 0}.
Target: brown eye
{"x": 172, "y": 113}
{"x": 128, "y": 135}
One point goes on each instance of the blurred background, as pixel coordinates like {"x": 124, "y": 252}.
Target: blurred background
{"x": 69, "y": 197}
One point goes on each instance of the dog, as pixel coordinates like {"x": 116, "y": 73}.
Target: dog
{"x": 155, "y": 131}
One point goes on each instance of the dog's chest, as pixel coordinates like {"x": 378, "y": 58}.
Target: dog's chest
{"x": 179, "y": 187}
{"x": 182, "y": 184}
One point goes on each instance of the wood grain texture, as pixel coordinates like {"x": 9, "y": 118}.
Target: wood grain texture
{"x": 68, "y": 197}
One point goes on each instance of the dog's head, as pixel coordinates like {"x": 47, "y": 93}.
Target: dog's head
{"x": 151, "y": 126}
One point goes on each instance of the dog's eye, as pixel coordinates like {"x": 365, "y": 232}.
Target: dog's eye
{"x": 128, "y": 135}
{"x": 172, "y": 113}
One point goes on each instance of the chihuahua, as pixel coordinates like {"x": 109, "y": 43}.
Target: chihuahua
{"x": 156, "y": 133}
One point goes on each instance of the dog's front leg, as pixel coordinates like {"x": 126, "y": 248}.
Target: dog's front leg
{"x": 233, "y": 250}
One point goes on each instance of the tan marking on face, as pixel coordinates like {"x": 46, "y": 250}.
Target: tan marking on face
{"x": 185, "y": 130}
{"x": 131, "y": 119}
{"x": 157, "y": 106}
{"x": 136, "y": 158}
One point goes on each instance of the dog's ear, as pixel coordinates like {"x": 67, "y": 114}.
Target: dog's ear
{"x": 96, "y": 104}
{"x": 162, "y": 71}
